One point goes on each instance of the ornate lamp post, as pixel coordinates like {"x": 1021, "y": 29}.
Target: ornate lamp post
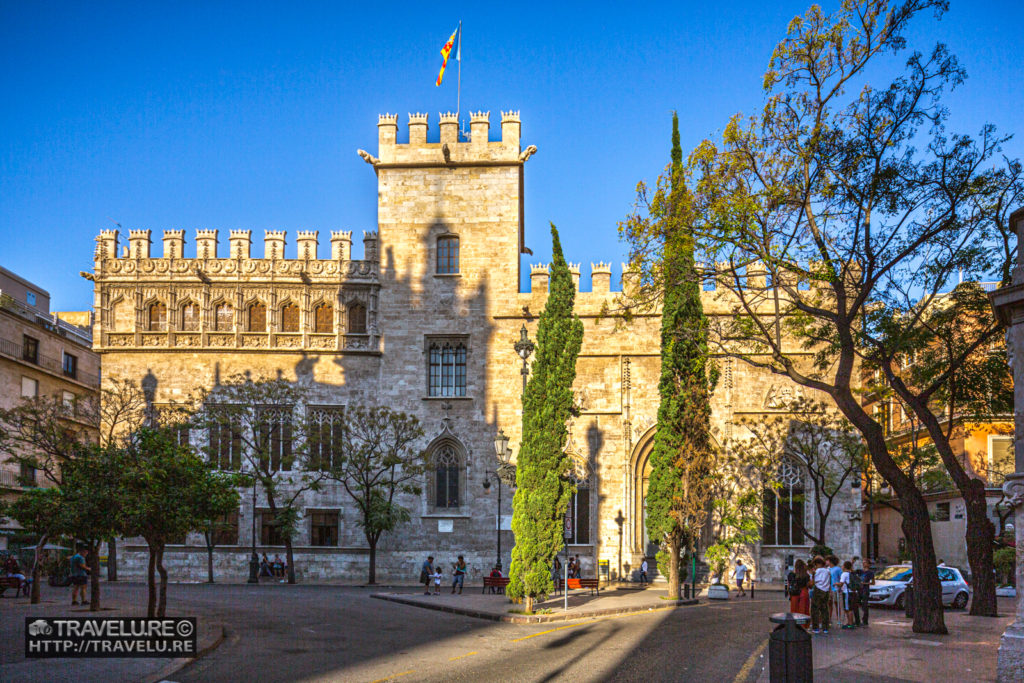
{"x": 524, "y": 347}
{"x": 506, "y": 472}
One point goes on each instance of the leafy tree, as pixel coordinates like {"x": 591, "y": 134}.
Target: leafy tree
{"x": 836, "y": 219}
{"x": 38, "y": 510}
{"x": 679, "y": 488}
{"x": 168, "y": 490}
{"x": 260, "y": 416}
{"x": 543, "y": 485}
{"x": 380, "y": 460}
{"x": 821, "y": 444}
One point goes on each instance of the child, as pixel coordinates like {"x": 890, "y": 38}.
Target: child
{"x": 844, "y": 595}
{"x": 437, "y": 579}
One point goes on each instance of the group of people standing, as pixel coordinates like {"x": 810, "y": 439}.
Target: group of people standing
{"x": 432, "y": 574}
{"x": 825, "y": 588}
{"x": 574, "y": 571}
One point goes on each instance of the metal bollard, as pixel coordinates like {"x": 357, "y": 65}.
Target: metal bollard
{"x": 790, "y": 659}
{"x": 908, "y": 601}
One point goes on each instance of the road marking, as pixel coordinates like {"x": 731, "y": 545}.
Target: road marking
{"x": 393, "y": 676}
{"x": 541, "y": 633}
{"x": 748, "y": 665}
{"x": 468, "y": 654}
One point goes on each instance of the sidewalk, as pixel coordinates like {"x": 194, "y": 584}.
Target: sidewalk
{"x": 14, "y": 666}
{"x": 888, "y": 650}
{"x": 497, "y": 607}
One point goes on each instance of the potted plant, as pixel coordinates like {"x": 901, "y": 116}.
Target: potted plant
{"x": 717, "y": 557}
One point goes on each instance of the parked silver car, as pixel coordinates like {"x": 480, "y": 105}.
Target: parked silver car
{"x": 891, "y": 583}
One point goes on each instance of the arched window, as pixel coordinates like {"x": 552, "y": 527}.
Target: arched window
{"x": 578, "y": 513}
{"x": 357, "y": 319}
{"x": 257, "y": 318}
{"x": 157, "y": 317}
{"x": 447, "y": 470}
{"x": 447, "y": 372}
{"x": 289, "y": 318}
{"x": 447, "y": 255}
{"x": 190, "y": 317}
{"x": 783, "y": 517}
{"x": 224, "y": 317}
{"x": 323, "y": 319}
{"x": 123, "y": 316}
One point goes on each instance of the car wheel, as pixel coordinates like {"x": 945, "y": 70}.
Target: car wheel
{"x": 960, "y": 601}
{"x": 899, "y": 604}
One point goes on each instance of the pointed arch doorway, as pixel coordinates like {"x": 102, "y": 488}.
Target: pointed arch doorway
{"x": 640, "y": 475}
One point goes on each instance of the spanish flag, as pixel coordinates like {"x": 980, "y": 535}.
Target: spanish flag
{"x": 445, "y": 51}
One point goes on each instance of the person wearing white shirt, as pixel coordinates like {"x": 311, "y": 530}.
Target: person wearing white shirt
{"x": 819, "y": 601}
{"x": 844, "y": 595}
{"x": 740, "y": 573}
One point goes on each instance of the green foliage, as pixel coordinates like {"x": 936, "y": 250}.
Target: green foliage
{"x": 543, "y": 488}
{"x": 1004, "y": 561}
{"x": 717, "y": 557}
{"x": 822, "y": 550}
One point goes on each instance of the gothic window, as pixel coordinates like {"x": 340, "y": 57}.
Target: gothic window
{"x": 323, "y": 319}
{"x": 190, "y": 317}
{"x": 447, "y": 470}
{"x": 157, "y": 317}
{"x": 447, "y": 369}
{"x": 323, "y": 528}
{"x": 447, "y": 255}
{"x": 289, "y": 318}
{"x": 326, "y": 434}
{"x": 224, "y": 317}
{"x": 270, "y": 529}
{"x": 274, "y": 438}
{"x": 122, "y": 314}
{"x": 257, "y": 318}
{"x": 783, "y": 516}
{"x": 357, "y": 319}
{"x": 225, "y": 442}
{"x": 578, "y": 515}
{"x": 225, "y": 529}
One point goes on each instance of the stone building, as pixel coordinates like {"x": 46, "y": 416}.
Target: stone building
{"x": 425, "y": 321}
{"x": 41, "y": 354}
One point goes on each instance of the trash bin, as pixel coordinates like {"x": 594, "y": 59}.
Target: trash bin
{"x": 908, "y": 601}
{"x": 790, "y": 658}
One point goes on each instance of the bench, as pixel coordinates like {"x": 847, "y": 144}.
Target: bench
{"x": 594, "y": 585}
{"x": 12, "y": 582}
{"x": 498, "y": 582}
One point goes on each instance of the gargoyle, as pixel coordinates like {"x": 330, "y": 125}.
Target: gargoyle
{"x": 367, "y": 157}
{"x": 527, "y": 153}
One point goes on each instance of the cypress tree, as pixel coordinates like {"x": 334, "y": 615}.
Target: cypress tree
{"x": 678, "y": 488}
{"x": 543, "y": 488}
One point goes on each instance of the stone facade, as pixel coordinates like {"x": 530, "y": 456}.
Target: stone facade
{"x": 431, "y": 196}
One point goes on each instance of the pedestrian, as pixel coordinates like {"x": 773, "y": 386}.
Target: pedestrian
{"x": 819, "y": 600}
{"x": 643, "y": 572}
{"x": 577, "y": 569}
{"x": 740, "y": 573}
{"x": 437, "y": 580}
{"x": 867, "y": 578}
{"x": 265, "y": 566}
{"x": 855, "y": 592}
{"x": 570, "y": 570}
{"x": 458, "y": 574}
{"x": 495, "y": 574}
{"x": 278, "y": 566}
{"x": 427, "y": 573}
{"x": 835, "y": 571}
{"x": 556, "y": 571}
{"x": 844, "y": 594}
{"x": 799, "y": 598}
{"x": 79, "y": 574}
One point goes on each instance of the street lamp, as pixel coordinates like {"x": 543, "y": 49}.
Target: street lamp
{"x": 254, "y": 561}
{"x": 506, "y": 472}
{"x": 524, "y": 347}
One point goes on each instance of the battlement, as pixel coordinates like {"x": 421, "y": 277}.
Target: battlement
{"x": 207, "y": 240}
{"x": 450, "y": 149}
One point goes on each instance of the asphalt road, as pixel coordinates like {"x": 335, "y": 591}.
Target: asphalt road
{"x": 327, "y": 633}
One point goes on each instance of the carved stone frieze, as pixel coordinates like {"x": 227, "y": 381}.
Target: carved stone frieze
{"x": 190, "y": 340}
{"x": 220, "y": 340}
{"x": 254, "y": 341}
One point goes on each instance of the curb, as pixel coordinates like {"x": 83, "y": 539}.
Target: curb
{"x": 536, "y": 618}
{"x": 176, "y": 665}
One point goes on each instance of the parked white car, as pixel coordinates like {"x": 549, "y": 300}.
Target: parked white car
{"x": 891, "y": 583}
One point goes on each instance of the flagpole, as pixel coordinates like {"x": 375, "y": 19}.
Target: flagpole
{"x": 458, "y": 97}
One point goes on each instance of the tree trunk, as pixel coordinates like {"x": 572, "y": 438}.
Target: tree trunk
{"x": 209, "y": 563}
{"x": 373, "y": 560}
{"x": 151, "y": 582}
{"x": 161, "y": 605}
{"x": 928, "y": 616}
{"x": 94, "y": 577}
{"x": 980, "y": 542}
{"x": 673, "y": 567}
{"x": 290, "y": 558}
{"x": 36, "y": 570}
{"x": 528, "y": 603}
{"x": 112, "y": 559}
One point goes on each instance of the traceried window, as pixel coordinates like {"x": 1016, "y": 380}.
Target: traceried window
{"x": 289, "y": 318}
{"x": 270, "y": 529}
{"x": 577, "y": 515}
{"x": 157, "y": 317}
{"x": 190, "y": 317}
{"x": 274, "y": 438}
{"x": 225, "y": 529}
{"x": 223, "y": 318}
{"x": 326, "y": 436}
{"x": 784, "y": 508}
{"x": 447, "y": 369}
{"x": 357, "y": 319}
{"x": 257, "y": 318}
{"x": 323, "y": 528}
{"x": 323, "y": 319}
{"x": 447, "y": 469}
{"x": 447, "y": 255}
{"x": 225, "y": 443}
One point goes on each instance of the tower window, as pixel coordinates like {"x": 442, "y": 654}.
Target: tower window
{"x": 157, "y": 317}
{"x": 447, "y": 255}
{"x": 290, "y": 318}
{"x": 447, "y": 468}
{"x": 324, "y": 319}
{"x": 357, "y": 319}
{"x": 447, "y": 371}
{"x": 257, "y": 318}
{"x": 190, "y": 317}
{"x": 223, "y": 318}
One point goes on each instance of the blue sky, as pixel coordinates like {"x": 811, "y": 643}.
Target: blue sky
{"x": 248, "y": 115}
